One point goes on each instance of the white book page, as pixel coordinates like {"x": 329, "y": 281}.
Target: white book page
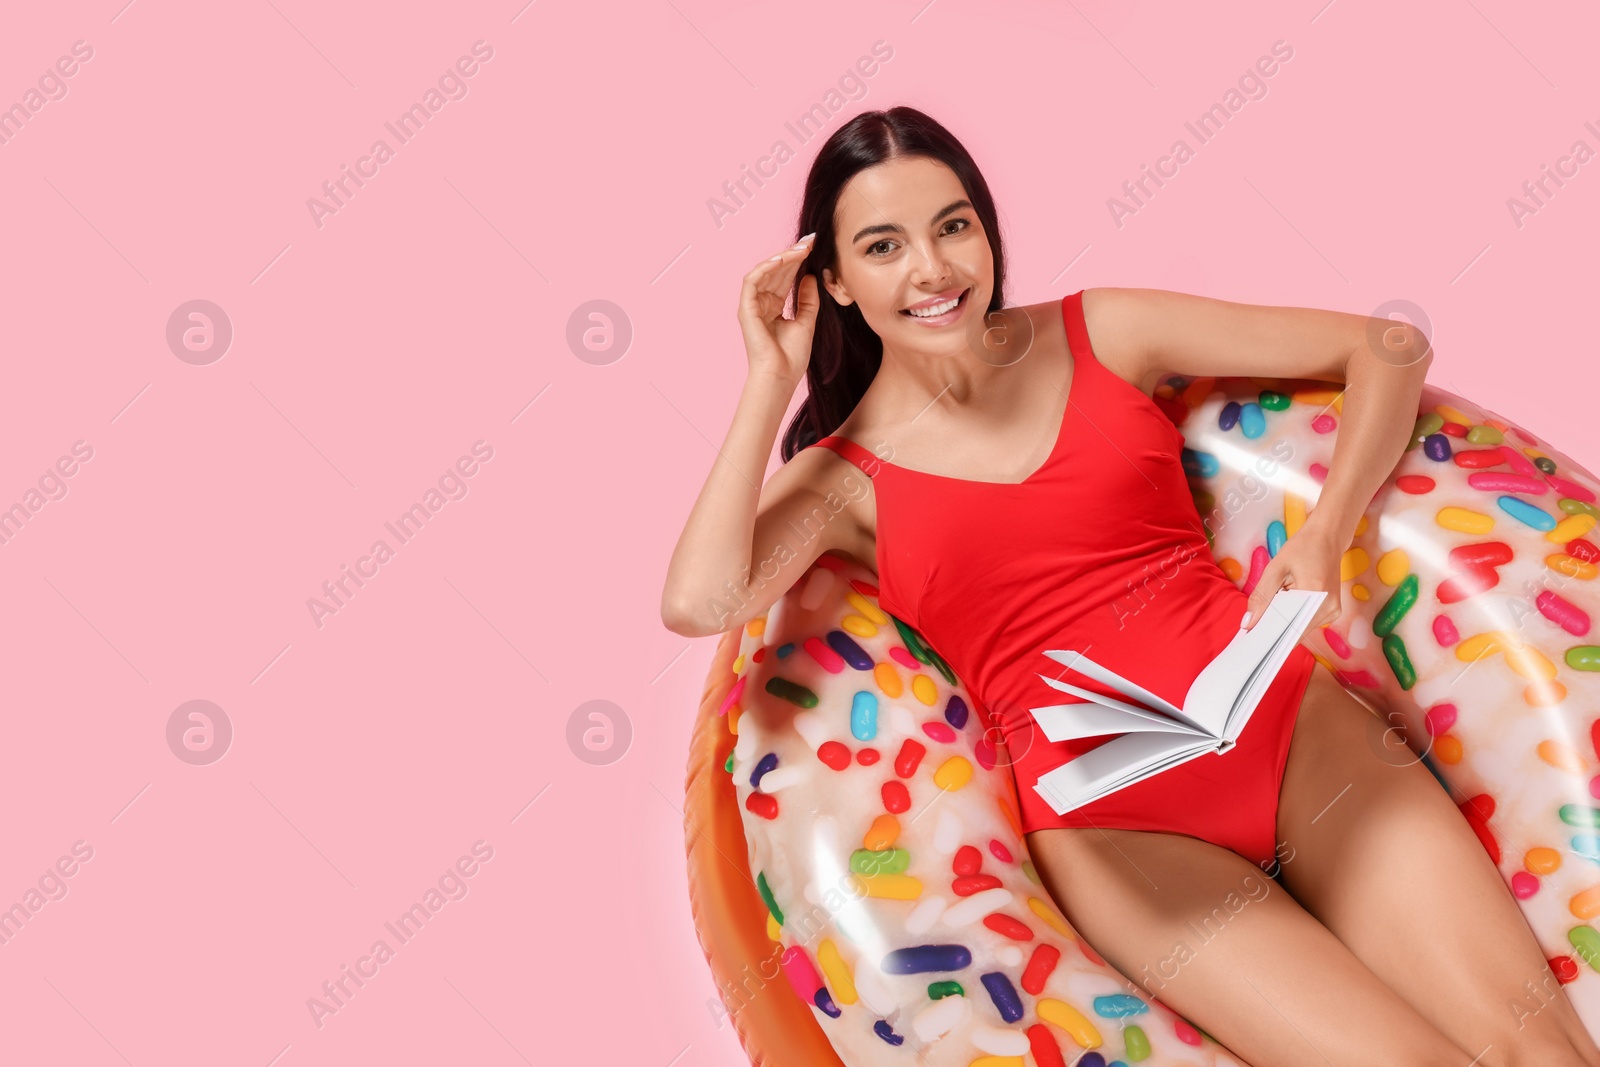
{"x": 1263, "y": 678}
{"x": 1268, "y": 667}
{"x": 1068, "y": 722}
{"x": 1116, "y": 764}
{"x": 1105, "y": 715}
{"x": 1214, "y": 696}
{"x": 1090, "y": 669}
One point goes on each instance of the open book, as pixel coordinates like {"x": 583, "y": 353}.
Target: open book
{"x": 1219, "y": 703}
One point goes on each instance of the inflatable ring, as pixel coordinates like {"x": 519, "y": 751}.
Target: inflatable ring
{"x": 855, "y": 920}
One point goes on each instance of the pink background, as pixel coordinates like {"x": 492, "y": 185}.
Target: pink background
{"x": 433, "y": 310}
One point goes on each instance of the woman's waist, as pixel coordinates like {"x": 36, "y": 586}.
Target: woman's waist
{"x": 1161, "y": 648}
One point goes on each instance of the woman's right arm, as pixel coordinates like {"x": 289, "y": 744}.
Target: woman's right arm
{"x": 744, "y": 546}
{"x": 740, "y": 544}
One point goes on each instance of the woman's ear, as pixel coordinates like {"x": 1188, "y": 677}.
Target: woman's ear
{"x": 835, "y": 287}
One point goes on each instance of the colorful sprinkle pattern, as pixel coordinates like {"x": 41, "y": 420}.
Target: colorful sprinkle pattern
{"x": 886, "y": 841}
{"x": 1468, "y": 596}
{"x": 887, "y": 848}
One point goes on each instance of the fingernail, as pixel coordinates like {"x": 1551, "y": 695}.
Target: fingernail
{"x": 1246, "y": 620}
{"x": 804, "y": 239}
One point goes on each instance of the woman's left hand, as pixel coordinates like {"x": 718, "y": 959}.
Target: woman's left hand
{"x": 1308, "y": 560}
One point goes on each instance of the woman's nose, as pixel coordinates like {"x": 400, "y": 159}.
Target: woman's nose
{"x": 931, "y": 267}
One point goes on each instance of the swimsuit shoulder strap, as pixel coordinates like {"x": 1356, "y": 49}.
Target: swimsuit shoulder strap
{"x": 870, "y": 465}
{"x": 1077, "y": 329}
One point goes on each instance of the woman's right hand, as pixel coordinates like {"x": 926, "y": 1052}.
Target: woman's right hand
{"x": 776, "y": 345}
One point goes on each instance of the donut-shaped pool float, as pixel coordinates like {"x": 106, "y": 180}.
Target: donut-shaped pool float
{"x": 848, "y": 918}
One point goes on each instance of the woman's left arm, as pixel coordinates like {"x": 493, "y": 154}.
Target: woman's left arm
{"x": 1150, "y": 333}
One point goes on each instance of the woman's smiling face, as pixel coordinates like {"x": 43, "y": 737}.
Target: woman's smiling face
{"x": 908, "y": 239}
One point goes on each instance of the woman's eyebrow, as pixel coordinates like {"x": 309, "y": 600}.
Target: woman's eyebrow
{"x": 894, "y": 227}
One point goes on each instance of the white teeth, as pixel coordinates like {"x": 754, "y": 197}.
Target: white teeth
{"x": 937, "y": 309}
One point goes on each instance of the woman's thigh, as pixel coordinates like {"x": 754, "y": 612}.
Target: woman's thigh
{"x": 1209, "y": 935}
{"x": 1381, "y": 855}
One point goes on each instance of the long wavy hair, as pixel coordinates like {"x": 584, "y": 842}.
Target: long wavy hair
{"x": 845, "y": 351}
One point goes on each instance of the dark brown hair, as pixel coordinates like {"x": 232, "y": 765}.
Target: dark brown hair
{"x": 845, "y": 352}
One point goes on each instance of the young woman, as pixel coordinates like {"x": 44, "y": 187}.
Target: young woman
{"x": 1019, "y": 477}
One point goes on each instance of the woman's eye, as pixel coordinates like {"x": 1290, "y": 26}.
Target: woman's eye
{"x": 961, "y": 224}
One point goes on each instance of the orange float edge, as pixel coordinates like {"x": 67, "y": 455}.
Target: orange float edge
{"x": 775, "y": 1027}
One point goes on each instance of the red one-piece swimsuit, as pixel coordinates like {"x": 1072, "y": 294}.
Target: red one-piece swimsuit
{"x": 1100, "y": 550}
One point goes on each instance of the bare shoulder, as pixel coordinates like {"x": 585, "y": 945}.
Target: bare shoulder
{"x": 1044, "y": 317}
{"x": 1113, "y": 316}
{"x": 1044, "y": 329}
{"x": 807, "y": 473}
{"x": 822, "y": 493}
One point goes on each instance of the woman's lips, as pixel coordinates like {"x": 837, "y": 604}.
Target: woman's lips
{"x": 942, "y": 320}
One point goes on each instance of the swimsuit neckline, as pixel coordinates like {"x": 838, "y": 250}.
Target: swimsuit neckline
{"x": 1055, "y": 447}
